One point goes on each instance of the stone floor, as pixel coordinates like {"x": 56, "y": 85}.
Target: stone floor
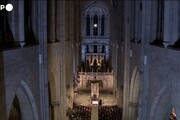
{"x": 83, "y": 98}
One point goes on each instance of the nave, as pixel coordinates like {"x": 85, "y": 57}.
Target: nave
{"x": 107, "y": 109}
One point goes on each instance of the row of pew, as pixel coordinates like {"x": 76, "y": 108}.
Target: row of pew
{"x": 104, "y": 113}
{"x": 110, "y": 113}
{"x": 81, "y": 113}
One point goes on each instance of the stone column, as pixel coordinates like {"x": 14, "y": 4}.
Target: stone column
{"x": 83, "y": 52}
{"x": 34, "y": 16}
{"x": 167, "y": 21}
{"x": 78, "y": 33}
{"x": 62, "y": 114}
{"x": 132, "y": 17}
{"x": 55, "y": 107}
{"x": 99, "y": 25}
{"x": 57, "y": 19}
{"x": 21, "y": 28}
{"x": 43, "y": 80}
{"x": 83, "y": 27}
{"x": 175, "y": 22}
{"x": 154, "y": 20}
{"x": 138, "y": 21}
{"x": 91, "y": 25}
{"x": 106, "y": 26}
{"x": 107, "y": 52}
{"x": 171, "y": 22}
{"x": 12, "y": 19}
{"x": 52, "y": 21}
{"x": 133, "y": 111}
{"x": 70, "y": 48}
{"x": 127, "y": 11}
{"x": 144, "y": 76}
{"x": 116, "y": 70}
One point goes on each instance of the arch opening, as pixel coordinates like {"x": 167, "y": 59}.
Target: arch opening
{"x": 24, "y": 105}
{"x": 15, "y": 112}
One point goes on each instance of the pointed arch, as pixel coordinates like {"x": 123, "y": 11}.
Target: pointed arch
{"x": 161, "y": 104}
{"x": 90, "y": 4}
{"x": 15, "y": 112}
{"x": 27, "y": 102}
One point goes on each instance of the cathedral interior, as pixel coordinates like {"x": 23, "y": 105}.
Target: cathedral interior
{"x": 90, "y": 60}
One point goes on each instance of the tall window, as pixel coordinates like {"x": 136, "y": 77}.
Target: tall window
{"x": 95, "y": 28}
{"x": 102, "y": 25}
{"x": 87, "y": 25}
{"x": 95, "y": 48}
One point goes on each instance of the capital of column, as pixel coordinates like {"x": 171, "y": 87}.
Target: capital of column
{"x": 165, "y": 43}
{"x": 132, "y": 104}
{"x": 55, "y": 104}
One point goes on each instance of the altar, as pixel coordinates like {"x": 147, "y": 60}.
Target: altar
{"x": 94, "y": 90}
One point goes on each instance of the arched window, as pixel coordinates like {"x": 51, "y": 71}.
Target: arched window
{"x": 95, "y": 28}
{"x": 95, "y": 48}
{"x": 88, "y": 25}
{"x": 102, "y": 25}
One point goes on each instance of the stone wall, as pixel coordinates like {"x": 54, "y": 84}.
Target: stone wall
{"x": 162, "y": 78}
{"x": 19, "y": 65}
{"x": 163, "y": 89}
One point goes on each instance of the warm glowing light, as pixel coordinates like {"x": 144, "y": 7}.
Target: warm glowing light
{"x": 95, "y": 25}
{"x": 95, "y": 102}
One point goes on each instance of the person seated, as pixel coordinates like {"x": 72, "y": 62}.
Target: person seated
{"x": 100, "y": 102}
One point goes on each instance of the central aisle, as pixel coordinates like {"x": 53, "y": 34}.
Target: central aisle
{"x": 94, "y": 112}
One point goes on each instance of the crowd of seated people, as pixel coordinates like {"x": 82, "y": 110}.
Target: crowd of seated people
{"x": 110, "y": 113}
{"x": 81, "y": 113}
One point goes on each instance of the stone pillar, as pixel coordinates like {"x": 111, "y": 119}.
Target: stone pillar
{"x": 42, "y": 37}
{"x": 106, "y": 26}
{"x": 83, "y": 52}
{"x": 154, "y": 20}
{"x": 83, "y": 26}
{"x": 21, "y": 30}
{"x": 57, "y": 26}
{"x": 133, "y": 111}
{"x": 175, "y": 28}
{"x": 12, "y": 19}
{"x": 34, "y": 16}
{"x": 127, "y": 11}
{"x": 69, "y": 54}
{"x": 62, "y": 114}
{"x": 107, "y": 52}
{"x": 55, "y": 107}
{"x": 116, "y": 70}
{"x": 144, "y": 77}
{"x": 52, "y": 21}
{"x": 77, "y": 34}
{"x": 91, "y": 25}
{"x": 171, "y": 21}
{"x": 99, "y": 25}
{"x": 167, "y": 20}
{"x": 138, "y": 21}
{"x": 132, "y": 17}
